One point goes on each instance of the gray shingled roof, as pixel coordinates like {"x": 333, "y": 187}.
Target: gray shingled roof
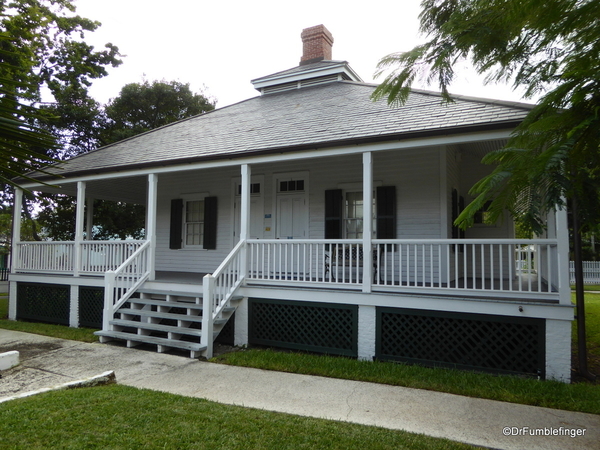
{"x": 333, "y": 114}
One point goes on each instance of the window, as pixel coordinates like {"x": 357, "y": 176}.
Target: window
{"x": 344, "y": 213}
{"x": 354, "y": 215}
{"x": 254, "y": 188}
{"x": 291, "y": 186}
{"x": 194, "y": 222}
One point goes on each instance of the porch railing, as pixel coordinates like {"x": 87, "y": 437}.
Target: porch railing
{"x": 45, "y": 256}
{"x": 498, "y": 266}
{"x": 218, "y": 289}
{"x": 97, "y": 257}
{"x": 120, "y": 284}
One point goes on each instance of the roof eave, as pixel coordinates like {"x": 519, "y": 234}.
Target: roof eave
{"x": 292, "y": 148}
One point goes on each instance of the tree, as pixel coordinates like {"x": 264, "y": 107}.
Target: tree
{"x": 552, "y": 49}
{"x": 48, "y": 54}
{"x": 42, "y": 50}
{"x": 138, "y": 108}
{"x": 144, "y": 106}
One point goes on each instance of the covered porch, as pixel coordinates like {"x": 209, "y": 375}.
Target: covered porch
{"x": 274, "y": 241}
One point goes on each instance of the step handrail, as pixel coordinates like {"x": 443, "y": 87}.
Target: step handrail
{"x": 218, "y": 289}
{"x": 121, "y": 283}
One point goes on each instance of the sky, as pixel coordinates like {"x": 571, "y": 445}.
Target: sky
{"x": 220, "y": 46}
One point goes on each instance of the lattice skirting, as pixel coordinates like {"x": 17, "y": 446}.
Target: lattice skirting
{"x": 316, "y": 327}
{"x": 43, "y": 302}
{"x": 91, "y": 305}
{"x": 51, "y": 303}
{"x": 465, "y": 341}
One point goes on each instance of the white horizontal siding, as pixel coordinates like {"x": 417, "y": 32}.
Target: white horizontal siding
{"x": 414, "y": 172}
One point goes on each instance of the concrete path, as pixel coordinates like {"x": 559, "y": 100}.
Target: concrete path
{"x": 49, "y": 361}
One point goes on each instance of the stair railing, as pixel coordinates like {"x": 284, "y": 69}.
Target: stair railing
{"x": 218, "y": 289}
{"x": 124, "y": 281}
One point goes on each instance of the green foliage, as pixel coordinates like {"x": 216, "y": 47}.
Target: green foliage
{"x": 144, "y": 106}
{"x": 551, "y": 49}
{"x": 45, "y": 51}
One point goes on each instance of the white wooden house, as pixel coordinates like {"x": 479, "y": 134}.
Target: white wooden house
{"x": 259, "y": 208}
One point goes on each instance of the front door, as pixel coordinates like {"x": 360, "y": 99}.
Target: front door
{"x": 292, "y": 216}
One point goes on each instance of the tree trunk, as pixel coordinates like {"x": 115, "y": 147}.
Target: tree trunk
{"x": 580, "y": 296}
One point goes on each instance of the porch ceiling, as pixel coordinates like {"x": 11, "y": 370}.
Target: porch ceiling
{"x": 130, "y": 189}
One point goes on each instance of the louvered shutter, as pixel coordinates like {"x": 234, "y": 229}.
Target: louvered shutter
{"x": 210, "y": 223}
{"x": 333, "y": 214}
{"x": 386, "y": 212}
{"x": 176, "y": 230}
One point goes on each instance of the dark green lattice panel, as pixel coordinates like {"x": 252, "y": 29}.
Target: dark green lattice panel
{"x": 43, "y": 302}
{"x": 91, "y": 306}
{"x": 467, "y": 341}
{"x": 316, "y": 327}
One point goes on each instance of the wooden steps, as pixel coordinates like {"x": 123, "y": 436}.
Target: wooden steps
{"x": 167, "y": 319}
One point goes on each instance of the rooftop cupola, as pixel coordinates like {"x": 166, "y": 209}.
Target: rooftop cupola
{"x": 316, "y": 66}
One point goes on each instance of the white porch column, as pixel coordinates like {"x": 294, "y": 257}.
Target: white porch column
{"x": 79, "y": 215}
{"x": 151, "y": 208}
{"x": 245, "y": 208}
{"x": 16, "y": 229}
{"x": 245, "y": 216}
{"x": 367, "y": 221}
{"x": 562, "y": 234}
{"x": 89, "y": 218}
{"x": 14, "y": 257}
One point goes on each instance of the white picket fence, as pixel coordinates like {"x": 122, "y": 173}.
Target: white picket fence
{"x": 591, "y": 272}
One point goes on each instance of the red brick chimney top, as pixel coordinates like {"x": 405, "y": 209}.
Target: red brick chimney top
{"x": 316, "y": 44}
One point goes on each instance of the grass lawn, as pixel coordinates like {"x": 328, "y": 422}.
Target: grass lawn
{"x": 583, "y": 397}
{"x": 121, "y": 417}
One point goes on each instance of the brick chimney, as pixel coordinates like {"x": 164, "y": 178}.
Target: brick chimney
{"x": 316, "y": 44}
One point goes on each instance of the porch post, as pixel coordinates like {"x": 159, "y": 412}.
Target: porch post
{"x": 16, "y": 229}
{"x": 562, "y": 235}
{"x": 151, "y": 208}
{"x": 367, "y": 222}
{"x": 79, "y": 215}
{"x": 89, "y": 219}
{"x": 14, "y": 257}
{"x": 245, "y": 208}
{"x": 245, "y": 216}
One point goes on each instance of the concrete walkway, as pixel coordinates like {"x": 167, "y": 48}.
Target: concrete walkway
{"x": 49, "y": 361}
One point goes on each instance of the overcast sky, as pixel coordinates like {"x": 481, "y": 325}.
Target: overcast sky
{"x": 222, "y": 45}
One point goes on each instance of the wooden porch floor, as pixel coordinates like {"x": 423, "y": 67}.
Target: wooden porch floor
{"x": 179, "y": 277}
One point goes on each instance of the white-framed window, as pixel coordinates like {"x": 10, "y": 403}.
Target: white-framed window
{"x": 354, "y": 215}
{"x": 193, "y": 225}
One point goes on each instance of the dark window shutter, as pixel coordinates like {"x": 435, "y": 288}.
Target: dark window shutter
{"x": 455, "y": 207}
{"x": 461, "y": 207}
{"x": 210, "y": 223}
{"x": 386, "y": 212}
{"x": 333, "y": 214}
{"x": 175, "y": 238}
